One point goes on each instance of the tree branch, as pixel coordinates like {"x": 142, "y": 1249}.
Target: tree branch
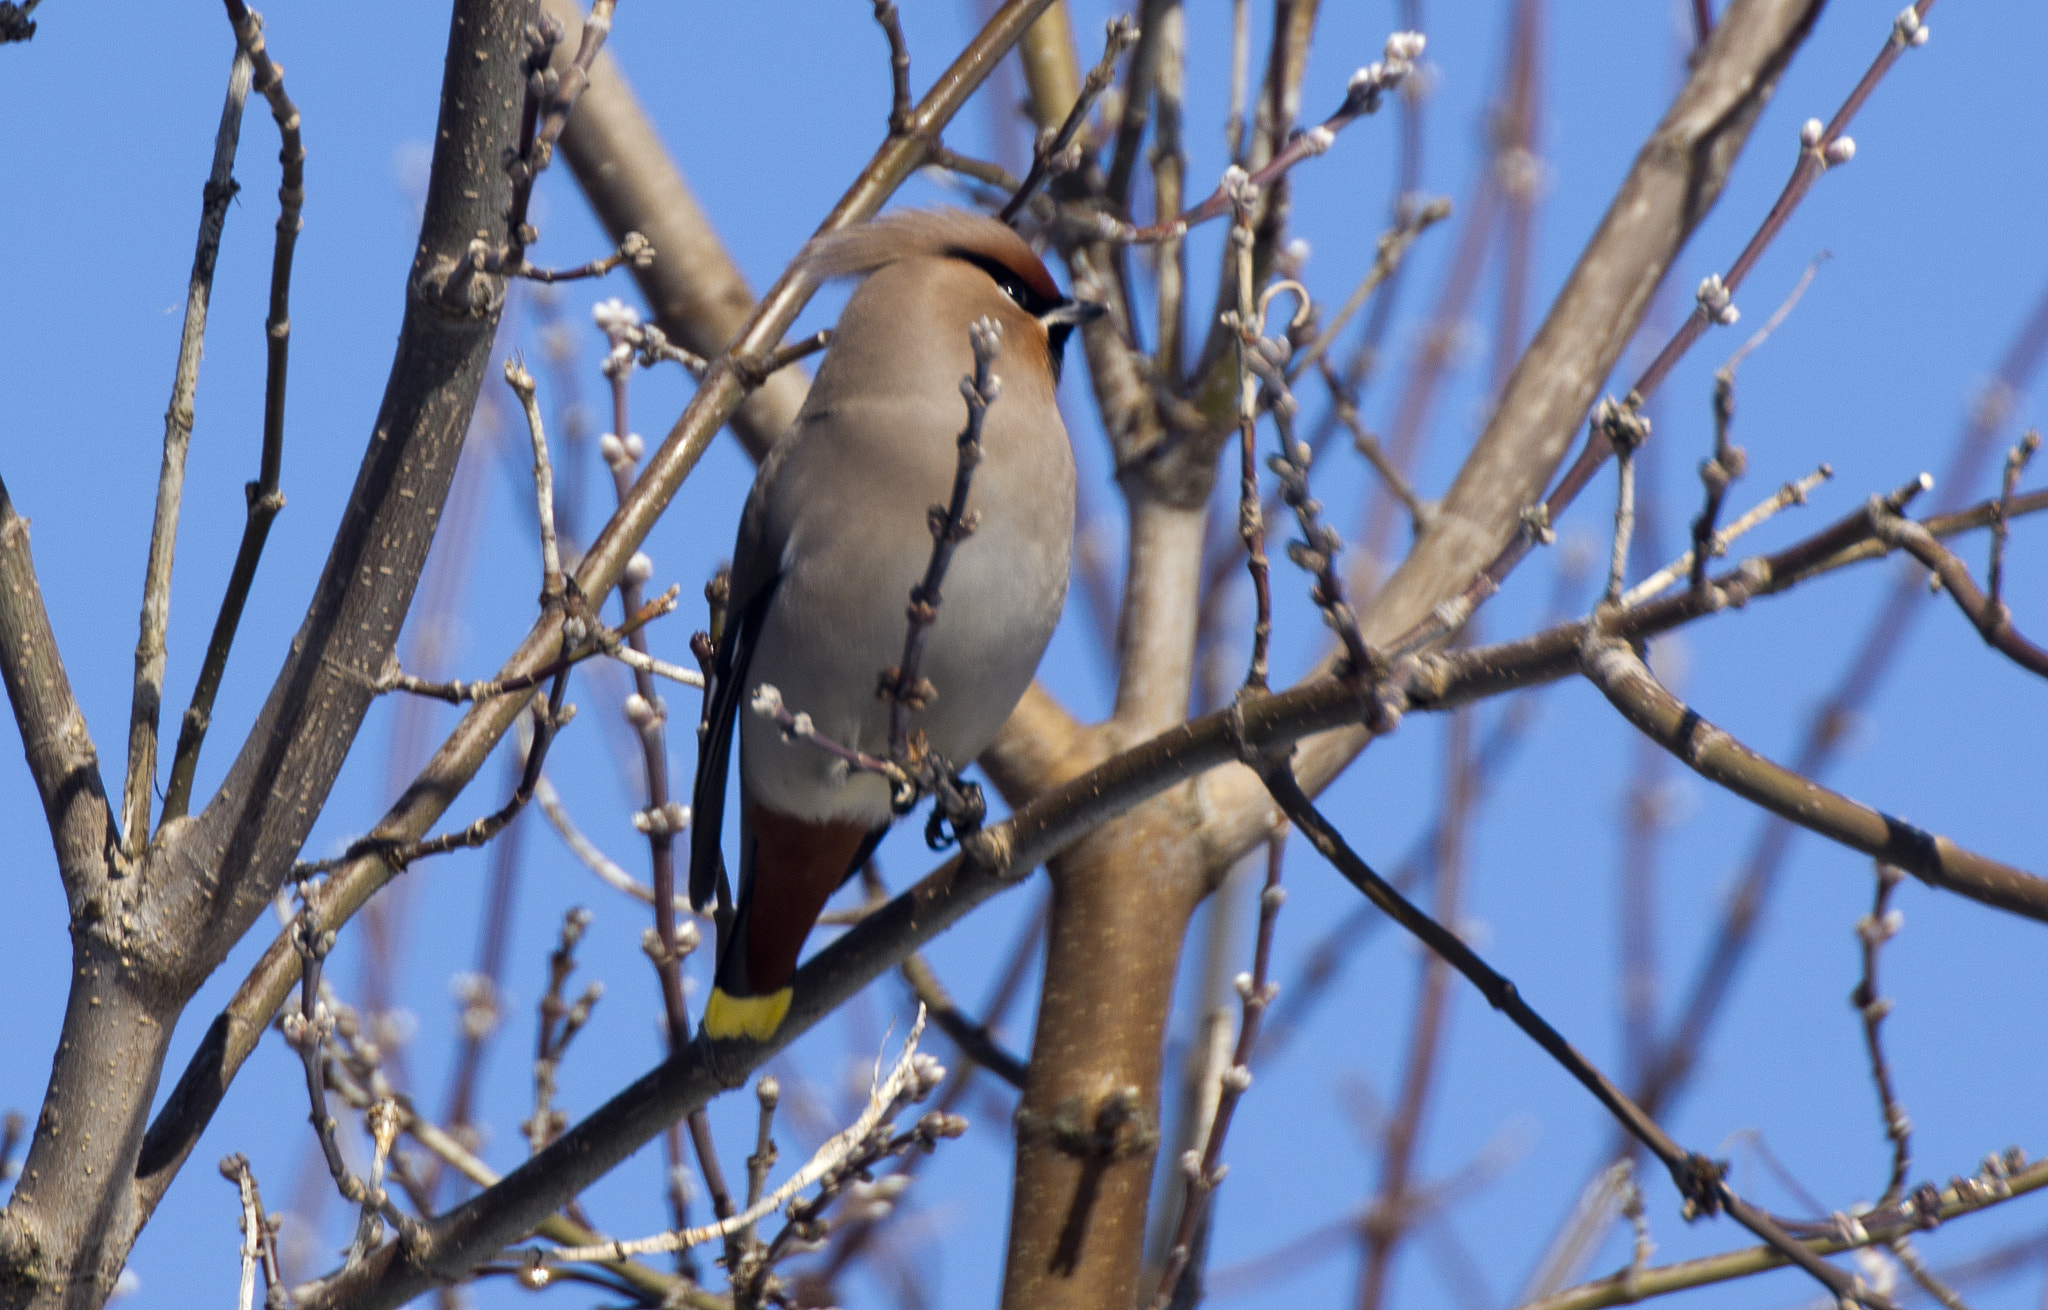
{"x": 147, "y": 701}
{"x": 264, "y": 497}
{"x": 54, "y": 737}
{"x": 1709, "y": 751}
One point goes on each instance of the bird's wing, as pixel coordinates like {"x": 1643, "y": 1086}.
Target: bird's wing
{"x": 714, "y": 746}
{"x": 756, "y": 573}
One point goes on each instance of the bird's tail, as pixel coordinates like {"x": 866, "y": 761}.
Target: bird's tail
{"x": 789, "y": 868}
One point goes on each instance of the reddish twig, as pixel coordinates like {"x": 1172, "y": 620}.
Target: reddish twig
{"x": 1393, "y": 1211}
{"x": 2016, "y": 461}
{"x": 1873, "y": 930}
{"x": 1820, "y": 148}
{"x": 1991, "y": 618}
{"x": 1255, "y": 990}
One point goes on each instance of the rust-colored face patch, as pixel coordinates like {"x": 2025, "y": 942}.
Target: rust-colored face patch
{"x": 797, "y": 866}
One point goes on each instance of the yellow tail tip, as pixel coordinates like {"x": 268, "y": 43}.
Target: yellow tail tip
{"x": 756, "y": 1017}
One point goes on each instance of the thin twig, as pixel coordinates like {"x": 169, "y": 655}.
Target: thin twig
{"x": 552, "y": 585}
{"x": 633, "y": 249}
{"x": 1369, "y": 86}
{"x": 1993, "y": 620}
{"x": 643, "y": 343}
{"x": 600, "y": 640}
{"x": 1240, "y": 78}
{"x": 2016, "y": 461}
{"x": 307, "y": 1032}
{"x": 147, "y": 701}
{"x": 264, "y": 497}
{"x": 973, "y": 1038}
{"x": 548, "y": 719}
{"x": 550, "y": 96}
{"x": 899, "y": 66}
{"x": 560, "y": 1021}
{"x": 1255, "y": 990}
{"x": 783, "y": 356}
{"x": 647, "y": 712}
{"x": 1251, "y": 521}
{"x": 612, "y": 874}
{"x": 1317, "y": 551}
{"x": 1624, "y": 522}
{"x": 1873, "y": 930}
{"x": 1792, "y": 493}
{"x": 1394, "y": 1210}
{"x": 1729, "y": 461}
{"x": 1420, "y": 511}
{"x": 903, "y": 686}
{"x": 259, "y": 1238}
{"x": 1051, "y": 155}
{"x": 768, "y": 1094}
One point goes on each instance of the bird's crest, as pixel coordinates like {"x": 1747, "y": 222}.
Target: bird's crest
{"x": 946, "y": 232}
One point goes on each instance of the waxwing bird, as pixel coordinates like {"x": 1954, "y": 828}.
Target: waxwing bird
{"x": 833, "y": 537}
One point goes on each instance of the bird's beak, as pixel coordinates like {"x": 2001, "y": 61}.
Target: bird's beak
{"x": 1072, "y": 313}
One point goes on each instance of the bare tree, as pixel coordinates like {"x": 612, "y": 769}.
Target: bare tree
{"x": 1138, "y": 820}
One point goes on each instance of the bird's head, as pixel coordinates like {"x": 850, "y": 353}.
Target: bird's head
{"x": 1009, "y": 263}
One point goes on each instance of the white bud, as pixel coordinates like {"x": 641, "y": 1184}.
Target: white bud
{"x": 1406, "y": 45}
{"x": 1809, "y": 132}
{"x": 638, "y": 712}
{"x": 678, "y": 815}
{"x": 614, "y": 315}
{"x": 636, "y": 447}
{"x": 1237, "y": 184}
{"x": 890, "y": 1187}
{"x": 639, "y": 568}
{"x": 1318, "y": 139}
{"x": 611, "y": 448}
{"x": 1715, "y": 302}
{"x": 1841, "y": 150}
{"x": 767, "y": 699}
{"x": 1237, "y": 1078}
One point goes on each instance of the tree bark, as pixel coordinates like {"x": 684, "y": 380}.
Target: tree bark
{"x": 144, "y": 943}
